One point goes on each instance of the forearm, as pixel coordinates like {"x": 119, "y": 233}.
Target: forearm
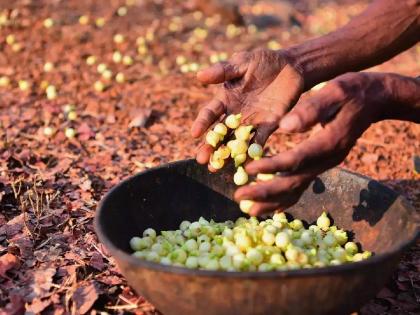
{"x": 404, "y": 98}
{"x": 385, "y": 29}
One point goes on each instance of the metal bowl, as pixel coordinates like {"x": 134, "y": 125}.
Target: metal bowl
{"x": 162, "y": 197}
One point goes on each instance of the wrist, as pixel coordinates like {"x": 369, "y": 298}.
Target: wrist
{"x": 312, "y": 62}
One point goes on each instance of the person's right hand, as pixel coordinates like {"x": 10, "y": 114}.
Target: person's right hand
{"x": 345, "y": 107}
{"x": 261, "y": 85}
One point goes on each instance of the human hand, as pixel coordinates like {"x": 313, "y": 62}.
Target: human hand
{"x": 345, "y": 107}
{"x": 261, "y": 85}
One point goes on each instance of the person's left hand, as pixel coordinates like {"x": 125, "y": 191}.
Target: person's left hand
{"x": 345, "y": 107}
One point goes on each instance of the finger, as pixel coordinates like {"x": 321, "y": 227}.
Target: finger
{"x": 316, "y": 150}
{"x": 259, "y": 208}
{"x": 279, "y": 196}
{"x": 263, "y": 132}
{"x": 207, "y": 116}
{"x": 282, "y": 203}
{"x": 269, "y": 190}
{"x": 319, "y": 108}
{"x": 203, "y": 153}
{"x": 282, "y": 162}
{"x": 221, "y": 72}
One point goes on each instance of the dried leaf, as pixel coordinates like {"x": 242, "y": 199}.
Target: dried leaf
{"x": 84, "y": 297}
{"x": 96, "y": 261}
{"x": 7, "y": 262}
{"x": 37, "y": 306}
{"x": 140, "y": 117}
{"x": 25, "y": 246}
{"x": 16, "y": 306}
{"x": 85, "y": 132}
{"x": 13, "y": 227}
{"x": 174, "y": 129}
{"x": 86, "y": 185}
{"x": 42, "y": 282}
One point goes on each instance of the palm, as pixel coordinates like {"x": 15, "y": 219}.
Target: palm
{"x": 261, "y": 85}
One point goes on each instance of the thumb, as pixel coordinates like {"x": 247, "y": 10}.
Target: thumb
{"x": 319, "y": 108}
{"x": 263, "y": 132}
{"x": 221, "y": 72}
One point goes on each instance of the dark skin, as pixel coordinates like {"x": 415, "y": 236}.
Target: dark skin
{"x": 265, "y": 85}
{"x": 346, "y": 107}
{"x": 251, "y": 82}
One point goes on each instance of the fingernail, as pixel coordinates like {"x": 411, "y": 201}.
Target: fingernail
{"x": 290, "y": 123}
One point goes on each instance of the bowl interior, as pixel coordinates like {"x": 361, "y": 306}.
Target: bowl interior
{"x": 161, "y": 198}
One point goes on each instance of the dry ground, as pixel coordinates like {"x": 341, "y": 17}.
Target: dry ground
{"x": 50, "y": 260}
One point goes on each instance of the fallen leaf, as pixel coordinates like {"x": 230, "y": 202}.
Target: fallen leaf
{"x": 8, "y": 262}
{"x": 13, "y": 227}
{"x": 140, "y": 117}
{"x": 25, "y": 246}
{"x": 84, "y": 297}
{"x": 16, "y": 306}
{"x": 62, "y": 167}
{"x": 42, "y": 282}
{"x": 96, "y": 261}
{"x": 37, "y": 306}
{"x": 86, "y": 185}
{"x": 85, "y": 132}
{"x": 174, "y": 129}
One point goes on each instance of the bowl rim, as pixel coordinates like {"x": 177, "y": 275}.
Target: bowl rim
{"x": 305, "y": 272}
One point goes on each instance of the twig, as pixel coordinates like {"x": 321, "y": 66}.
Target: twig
{"x": 130, "y": 305}
{"x": 100, "y": 252}
{"x": 25, "y": 218}
{"x": 127, "y": 300}
{"x": 16, "y": 193}
{"x": 28, "y": 136}
{"x": 122, "y": 307}
{"x": 43, "y": 243}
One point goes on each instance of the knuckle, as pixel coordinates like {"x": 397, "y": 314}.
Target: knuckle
{"x": 348, "y": 84}
{"x": 349, "y": 76}
{"x": 260, "y": 192}
{"x": 311, "y": 108}
{"x": 217, "y": 106}
{"x": 296, "y": 160}
{"x": 338, "y": 88}
{"x": 290, "y": 161}
{"x": 208, "y": 114}
{"x": 294, "y": 185}
{"x": 201, "y": 122}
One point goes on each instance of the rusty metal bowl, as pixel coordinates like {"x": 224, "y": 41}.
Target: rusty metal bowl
{"x": 162, "y": 197}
